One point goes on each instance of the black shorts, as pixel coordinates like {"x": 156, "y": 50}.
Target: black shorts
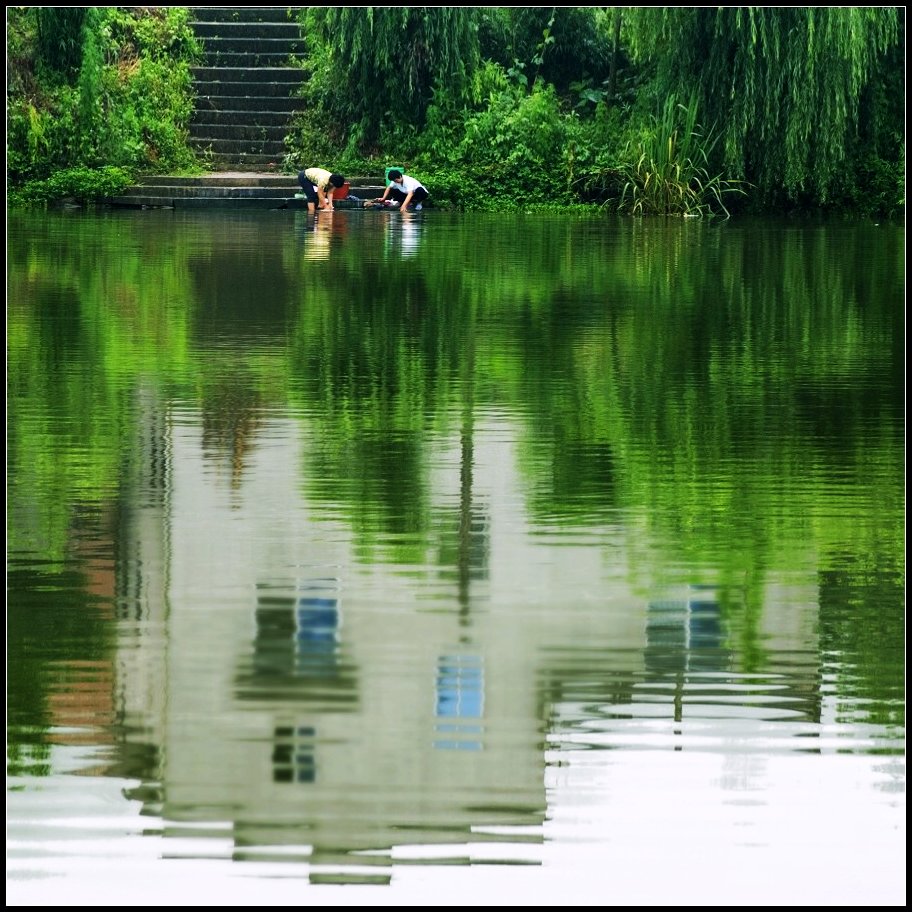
{"x": 308, "y": 188}
{"x": 419, "y": 196}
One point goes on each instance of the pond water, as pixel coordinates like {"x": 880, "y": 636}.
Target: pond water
{"x": 435, "y": 559}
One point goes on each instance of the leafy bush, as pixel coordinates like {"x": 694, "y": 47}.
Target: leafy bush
{"x": 83, "y": 185}
{"x": 41, "y": 135}
{"x": 517, "y": 146}
{"x": 871, "y": 186}
{"x": 127, "y": 102}
{"x": 595, "y": 151}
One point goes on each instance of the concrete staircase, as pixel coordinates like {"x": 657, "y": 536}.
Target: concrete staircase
{"x": 246, "y": 88}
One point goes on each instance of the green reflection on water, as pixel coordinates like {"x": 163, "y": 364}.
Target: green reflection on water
{"x": 730, "y": 397}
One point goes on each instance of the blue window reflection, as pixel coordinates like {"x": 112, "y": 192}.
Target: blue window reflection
{"x": 316, "y": 637}
{"x": 460, "y": 697}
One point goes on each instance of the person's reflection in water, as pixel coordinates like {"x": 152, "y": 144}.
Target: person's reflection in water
{"x": 320, "y": 232}
{"x": 404, "y": 233}
{"x": 304, "y": 225}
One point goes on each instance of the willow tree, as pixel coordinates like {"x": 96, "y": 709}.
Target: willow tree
{"x": 782, "y": 84}
{"x": 371, "y": 63}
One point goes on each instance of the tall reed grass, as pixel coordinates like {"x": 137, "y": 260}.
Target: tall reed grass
{"x": 666, "y": 171}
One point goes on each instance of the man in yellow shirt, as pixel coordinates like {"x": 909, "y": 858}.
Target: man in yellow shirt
{"x": 318, "y": 185}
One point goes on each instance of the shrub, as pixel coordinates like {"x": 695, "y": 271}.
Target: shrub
{"x": 83, "y": 185}
{"x": 124, "y": 100}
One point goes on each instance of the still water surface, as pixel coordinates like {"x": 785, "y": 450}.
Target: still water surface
{"x": 454, "y": 560}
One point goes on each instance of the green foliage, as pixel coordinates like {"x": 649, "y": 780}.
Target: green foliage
{"x": 666, "y": 170}
{"x": 447, "y": 116}
{"x": 22, "y": 65}
{"x": 515, "y": 142}
{"x": 807, "y": 104}
{"x": 600, "y": 143}
{"x": 90, "y": 115}
{"x": 60, "y": 35}
{"x": 84, "y": 185}
{"x": 369, "y": 65}
{"x": 153, "y": 110}
{"x": 870, "y": 185}
{"x": 314, "y": 137}
{"x": 127, "y": 104}
{"x": 558, "y": 45}
{"x": 139, "y": 95}
{"x": 41, "y": 135}
{"x": 581, "y": 136}
{"x": 158, "y": 33}
{"x": 782, "y": 83}
{"x": 517, "y": 146}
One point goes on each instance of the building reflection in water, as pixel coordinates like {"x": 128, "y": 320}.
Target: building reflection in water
{"x": 353, "y": 778}
{"x": 293, "y": 755}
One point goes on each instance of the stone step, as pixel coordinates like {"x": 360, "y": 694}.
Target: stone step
{"x": 270, "y": 93}
{"x": 242, "y": 75}
{"x": 204, "y": 183}
{"x": 282, "y": 75}
{"x": 243, "y": 161}
{"x": 157, "y": 201}
{"x": 231, "y": 14}
{"x": 282, "y": 193}
{"x": 239, "y": 45}
{"x": 271, "y": 150}
{"x": 212, "y": 133}
{"x": 241, "y": 120}
{"x": 288, "y": 31}
{"x": 217, "y": 193}
{"x": 246, "y": 104}
{"x": 220, "y": 58}
{"x": 250, "y": 60}
{"x": 253, "y": 196}
{"x": 165, "y": 202}
{"x": 205, "y": 133}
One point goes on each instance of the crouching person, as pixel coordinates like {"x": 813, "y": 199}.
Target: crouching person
{"x": 318, "y": 185}
{"x": 405, "y": 190}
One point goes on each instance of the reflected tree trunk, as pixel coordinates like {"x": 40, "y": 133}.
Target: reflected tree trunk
{"x": 465, "y": 477}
